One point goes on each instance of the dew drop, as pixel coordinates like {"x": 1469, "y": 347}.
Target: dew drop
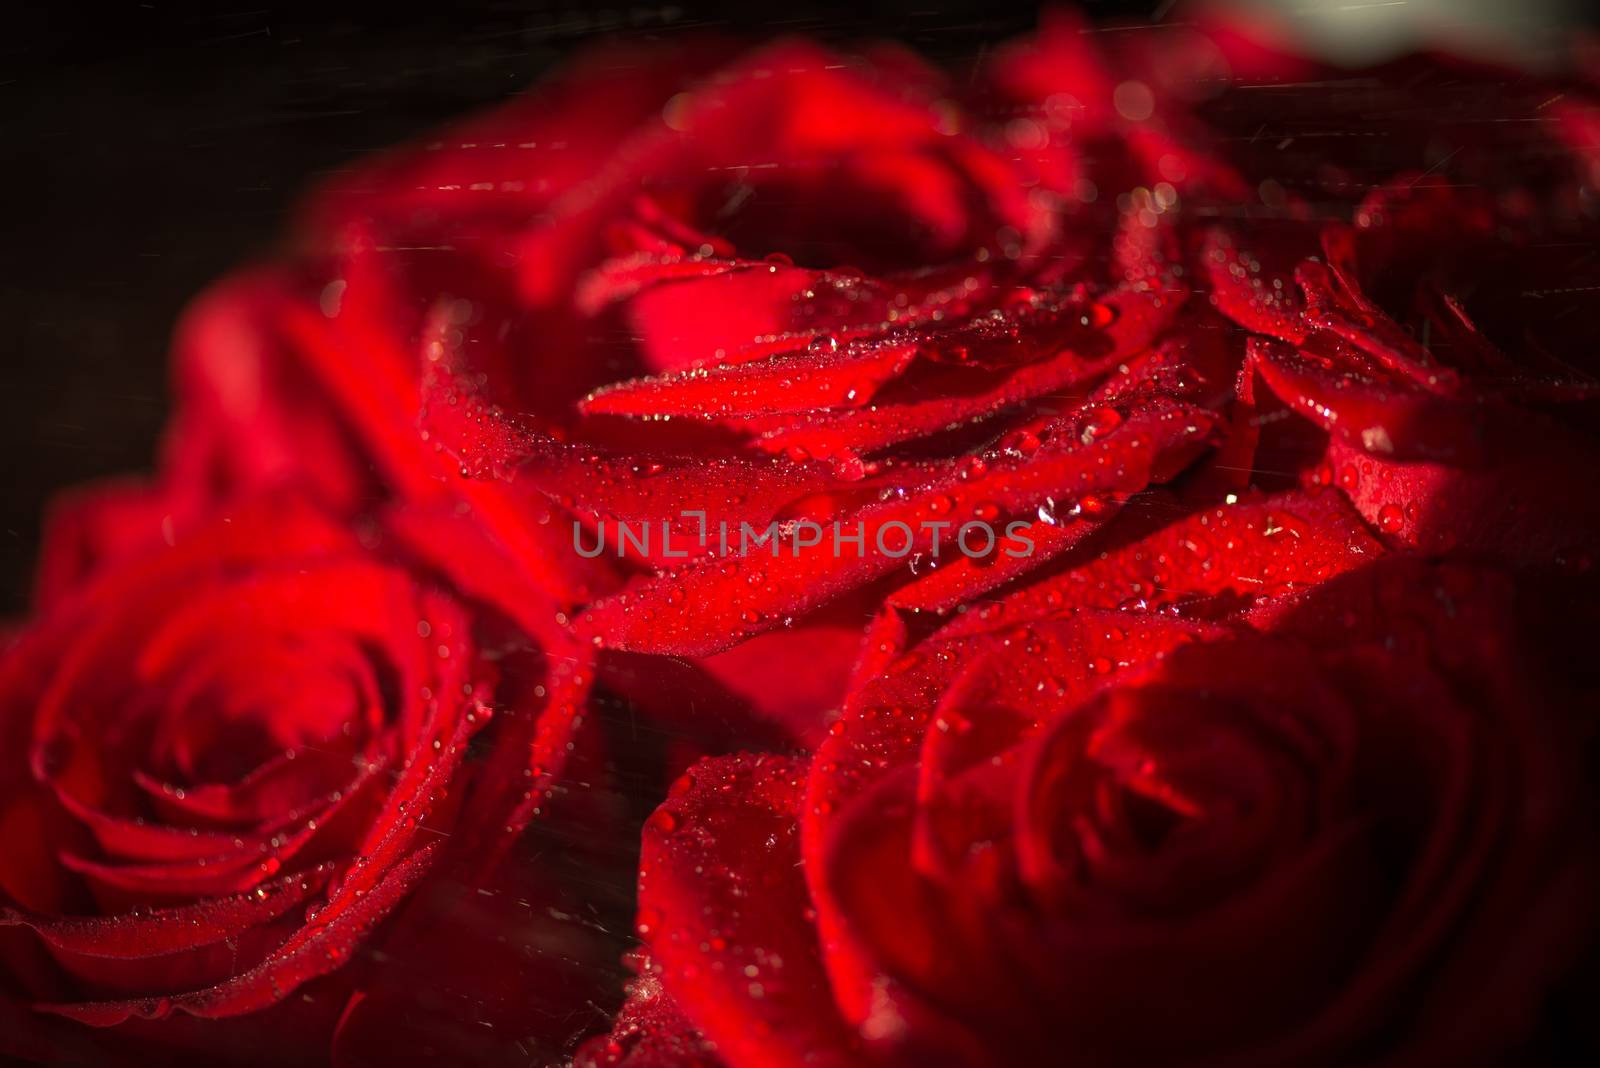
{"x": 1023, "y": 442}
{"x": 1091, "y": 504}
{"x": 1102, "y": 421}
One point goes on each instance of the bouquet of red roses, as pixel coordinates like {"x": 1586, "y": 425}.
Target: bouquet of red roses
{"x": 765, "y": 555}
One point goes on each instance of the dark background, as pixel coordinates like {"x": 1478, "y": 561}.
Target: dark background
{"x": 145, "y": 148}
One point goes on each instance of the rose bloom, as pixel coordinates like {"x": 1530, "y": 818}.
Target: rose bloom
{"x": 227, "y": 761}
{"x": 1352, "y": 826}
{"x": 1455, "y": 406}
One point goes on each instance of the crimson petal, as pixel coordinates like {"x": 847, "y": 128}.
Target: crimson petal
{"x": 722, "y": 904}
{"x": 321, "y": 948}
{"x": 740, "y": 596}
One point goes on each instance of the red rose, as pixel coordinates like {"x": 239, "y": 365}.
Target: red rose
{"x": 1357, "y": 831}
{"x": 1456, "y": 405}
{"x": 1414, "y": 239}
{"x": 225, "y": 762}
{"x": 1008, "y": 369}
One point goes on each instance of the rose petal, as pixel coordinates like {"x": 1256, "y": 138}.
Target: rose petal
{"x": 746, "y": 595}
{"x": 722, "y": 904}
{"x": 322, "y": 949}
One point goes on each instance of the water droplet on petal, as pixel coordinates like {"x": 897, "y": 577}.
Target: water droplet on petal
{"x": 1024, "y": 442}
{"x": 1101, "y": 422}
